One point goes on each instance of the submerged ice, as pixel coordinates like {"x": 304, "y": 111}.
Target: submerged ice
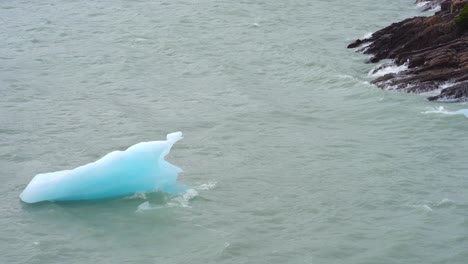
{"x": 140, "y": 168}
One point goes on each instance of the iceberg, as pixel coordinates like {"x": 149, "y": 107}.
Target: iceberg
{"x": 140, "y": 168}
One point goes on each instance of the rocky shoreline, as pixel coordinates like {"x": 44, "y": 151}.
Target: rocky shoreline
{"x": 432, "y": 52}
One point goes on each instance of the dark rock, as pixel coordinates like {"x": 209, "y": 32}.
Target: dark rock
{"x": 355, "y": 44}
{"x": 458, "y": 92}
{"x": 434, "y": 48}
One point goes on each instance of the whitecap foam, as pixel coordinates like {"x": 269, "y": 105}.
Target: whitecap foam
{"x": 207, "y": 186}
{"x": 444, "y": 202}
{"x": 364, "y": 47}
{"x": 182, "y": 200}
{"x": 387, "y": 68}
{"x": 437, "y": 110}
{"x": 423, "y": 207}
{"x": 343, "y": 76}
{"x": 429, "y": 206}
{"x": 446, "y": 85}
{"x": 433, "y": 7}
{"x": 442, "y": 110}
{"x": 144, "y": 207}
{"x": 367, "y": 35}
{"x": 137, "y": 196}
{"x": 426, "y": 207}
{"x": 439, "y": 89}
{"x": 422, "y": 4}
{"x": 389, "y": 86}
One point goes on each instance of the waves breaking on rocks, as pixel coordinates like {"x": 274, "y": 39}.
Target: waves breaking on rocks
{"x": 426, "y": 53}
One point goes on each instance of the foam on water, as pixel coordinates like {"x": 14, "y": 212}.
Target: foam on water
{"x": 430, "y": 206}
{"x": 446, "y": 85}
{"x": 437, "y": 91}
{"x": 367, "y": 35}
{"x": 442, "y": 110}
{"x": 421, "y": 4}
{"x": 207, "y": 186}
{"x": 181, "y": 200}
{"x": 387, "y": 68}
{"x": 434, "y": 7}
{"x": 140, "y": 168}
{"x": 364, "y": 47}
{"x": 445, "y": 202}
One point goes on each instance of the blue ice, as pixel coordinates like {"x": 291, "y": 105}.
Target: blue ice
{"x": 140, "y": 168}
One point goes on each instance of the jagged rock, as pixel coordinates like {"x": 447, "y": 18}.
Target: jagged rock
{"x": 458, "y": 92}
{"x": 355, "y": 44}
{"x": 434, "y": 48}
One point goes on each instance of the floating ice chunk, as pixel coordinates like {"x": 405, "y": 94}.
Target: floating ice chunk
{"x": 140, "y": 168}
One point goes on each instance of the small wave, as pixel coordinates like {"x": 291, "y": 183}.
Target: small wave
{"x": 437, "y": 91}
{"x": 446, "y": 85}
{"x": 136, "y": 196}
{"x": 437, "y": 110}
{"x": 367, "y": 35}
{"x": 444, "y": 202}
{"x": 424, "y": 207}
{"x": 387, "y": 68}
{"x": 422, "y": 4}
{"x": 207, "y": 186}
{"x": 182, "y": 200}
{"x": 178, "y": 201}
{"x": 431, "y": 93}
{"x": 145, "y": 206}
{"x": 434, "y": 7}
{"x": 442, "y": 110}
{"x": 429, "y": 206}
{"x": 389, "y": 86}
{"x": 364, "y": 47}
{"x": 342, "y": 76}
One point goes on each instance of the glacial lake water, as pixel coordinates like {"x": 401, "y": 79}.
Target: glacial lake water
{"x": 290, "y": 155}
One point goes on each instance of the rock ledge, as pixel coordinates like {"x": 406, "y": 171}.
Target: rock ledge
{"x": 434, "y": 50}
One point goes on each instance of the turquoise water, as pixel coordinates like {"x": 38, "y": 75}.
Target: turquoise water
{"x": 290, "y": 155}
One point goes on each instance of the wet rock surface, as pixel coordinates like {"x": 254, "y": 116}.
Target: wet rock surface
{"x": 434, "y": 49}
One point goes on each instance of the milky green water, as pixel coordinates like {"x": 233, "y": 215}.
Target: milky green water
{"x": 290, "y": 156}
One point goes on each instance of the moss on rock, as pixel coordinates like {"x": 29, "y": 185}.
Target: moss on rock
{"x": 462, "y": 18}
